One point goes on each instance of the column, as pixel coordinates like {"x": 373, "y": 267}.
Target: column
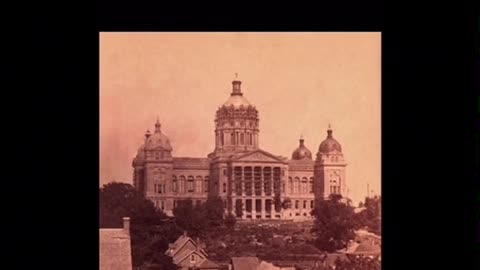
{"x": 243, "y": 180}
{"x": 244, "y": 208}
{"x": 262, "y": 181}
{"x": 254, "y": 206}
{"x": 263, "y": 209}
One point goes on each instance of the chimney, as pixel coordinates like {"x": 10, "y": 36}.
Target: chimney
{"x": 126, "y": 224}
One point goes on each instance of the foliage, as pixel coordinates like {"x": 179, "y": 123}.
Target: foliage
{"x": 358, "y": 263}
{"x": 198, "y": 220}
{"x": 334, "y": 224}
{"x": 277, "y": 202}
{"x": 214, "y": 211}
{"x": 287, "y": 203}
{"x": 230, "y": 221}
{"x": 371, "y": 216}
{"x": 239, "y": 208}
{"x": 189, "y": 217}
{"x": 150, "y": 229}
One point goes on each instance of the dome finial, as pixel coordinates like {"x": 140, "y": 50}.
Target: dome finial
{"x": 147, "y": 134}
{"x": 236, "y": 76}
{"x": 157, "y": 126}
{"x": 329, "y": 131}
{"x": 301, "y": 139}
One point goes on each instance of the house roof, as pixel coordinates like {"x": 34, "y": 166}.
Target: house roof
{"x": 184, "y": 254}
{"x": 115, "y": 250}
{"x": 207, "y": 264}
{"x": 245, "y": 263}
{"x": 362, "y": 249}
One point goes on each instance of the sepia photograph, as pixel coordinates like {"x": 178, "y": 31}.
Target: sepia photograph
{"x": 240, "y": 150}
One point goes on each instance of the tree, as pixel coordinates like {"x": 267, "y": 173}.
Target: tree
{"x": 287, "y": 203}
{"x": 214, "y": 211}
{"x": 278, "y": 202}
{"x": 370, "y": 218}
{"x": 239, "y": 208}
{"x": 230, "y": 221}
{"x": 150, "y": 228}
{"x": 334, "y": 224}
{"x": 190, "y": 218}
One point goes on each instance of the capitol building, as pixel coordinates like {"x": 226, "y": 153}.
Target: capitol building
{"x": 239, "y": 171}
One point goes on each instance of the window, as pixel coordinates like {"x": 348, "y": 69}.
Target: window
{"x": 304, "y": 185}
{"x": 296, "y": 185}
{"x": 311, "y": 185}
{"x": 232, "y": 138}
{"x": 205, "y": 186}
{"x": 190, "y": 187}
{"x": 251, "y": 138}
{"x": 157, "y": 155}
{"x": 311, "y": 204}
{"x": 174, "y": 183}
{"x": 290, "y": 184}
{"x": 242, "y": 139}
{"x": 304, "y": 204}
{"x": 224, "y": 172}
{"x": 224, "y": 187}
{"x": 221, "y": 139}
{"x": 297, "y": 204}
{"x": 174, "y": 204}
{"x": 163, "y": 205}
{"x": 198, "y": 184}
{"x": 182, "y": 184}
{"x": 192, "y": 258}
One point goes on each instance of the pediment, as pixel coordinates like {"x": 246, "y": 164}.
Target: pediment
{"x": 258, "y": 156}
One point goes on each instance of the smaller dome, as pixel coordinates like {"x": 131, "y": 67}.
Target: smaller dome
{"x": 140, "y": 157}
{"x": 329, "y": 144}
{"x": 157, "y": 140}
{"x": 302, "y": 151}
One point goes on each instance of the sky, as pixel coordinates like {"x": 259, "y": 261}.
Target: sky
{"x": 299, "y": 82}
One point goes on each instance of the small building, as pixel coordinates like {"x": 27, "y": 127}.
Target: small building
{"x": 115, "y": 248}
{"x": 188, "y": 254}
{"x": 253, "y": 263}
{"x": 367, "y": 249}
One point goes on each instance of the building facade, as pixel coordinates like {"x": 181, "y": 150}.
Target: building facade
{"x": 238, "y": 171}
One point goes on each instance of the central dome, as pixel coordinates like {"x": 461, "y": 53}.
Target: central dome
{"x": 302, "y": 152}
{"x": 236, "y": 101}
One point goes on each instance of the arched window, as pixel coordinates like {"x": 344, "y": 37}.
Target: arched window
{"x": 296, "y": 185}
{"x": 297, "y": 204}
{"x": 290, "y": 185}
{"x": 182, "y": 184}
{"x": 304, "y": 204}
{"x": 304, "y": 185}
{"x": 198, "y": 184}
{"x": 311, "y": 204}
{"x": 190, "y": 187}
{"x": 205, "y": 186}
{"x": 174, "y": 183}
